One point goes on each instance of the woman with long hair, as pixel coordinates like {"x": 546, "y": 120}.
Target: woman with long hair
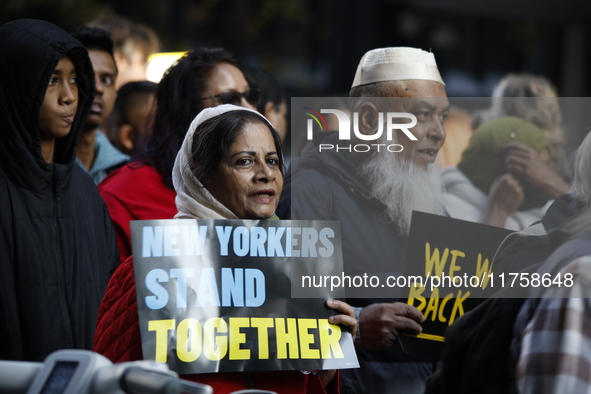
{"x": 143, "y": 190}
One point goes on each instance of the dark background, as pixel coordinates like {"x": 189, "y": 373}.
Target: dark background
{"x": 313, "y": 46}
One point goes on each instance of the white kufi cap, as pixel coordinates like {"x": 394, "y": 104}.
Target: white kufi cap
{"x": 396, "y": 64}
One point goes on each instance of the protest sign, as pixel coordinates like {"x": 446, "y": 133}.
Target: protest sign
{"x": 215, "y": 295}
{"x": 451, "y": 260}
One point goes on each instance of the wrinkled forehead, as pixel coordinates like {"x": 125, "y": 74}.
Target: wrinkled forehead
{"x": 253, "y": 136}
{"x": 417, "y": 88}
{"x": 415, "y": 95}
{"x": 410, "y": 95}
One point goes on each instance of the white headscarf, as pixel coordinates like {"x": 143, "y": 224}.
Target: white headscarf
{"x": 193, "y": 200}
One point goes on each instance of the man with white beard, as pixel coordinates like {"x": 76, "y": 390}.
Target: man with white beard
{"x": 387, "y": 176}
{"x": 373, "y": 195}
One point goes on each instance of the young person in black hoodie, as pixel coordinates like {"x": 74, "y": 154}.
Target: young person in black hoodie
{"x": 57, "y": 243}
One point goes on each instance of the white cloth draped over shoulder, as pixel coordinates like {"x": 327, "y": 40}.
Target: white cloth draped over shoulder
{"x": 193, "y": 200}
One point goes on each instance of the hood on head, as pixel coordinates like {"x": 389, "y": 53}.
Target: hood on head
{"x": 30, "y": 51}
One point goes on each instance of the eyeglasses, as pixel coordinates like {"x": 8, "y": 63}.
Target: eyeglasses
{"x": 233, "y": 97}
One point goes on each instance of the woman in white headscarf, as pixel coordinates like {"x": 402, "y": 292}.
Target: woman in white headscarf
{"x": 212, "y": 183}
{"x": 230, "y": 166}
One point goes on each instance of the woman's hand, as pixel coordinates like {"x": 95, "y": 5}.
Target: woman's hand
{"x": 531, "y": 166}
{"x": 347, "y": 318}
{"x": 504, "y": 197}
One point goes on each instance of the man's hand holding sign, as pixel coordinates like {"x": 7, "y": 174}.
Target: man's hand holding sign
{"x": 453, "y": 259}
{"x": 381, "y": 324}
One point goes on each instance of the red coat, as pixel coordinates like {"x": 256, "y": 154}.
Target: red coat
{"x": 135, "y": 192}
{"x": 117, "y": 337}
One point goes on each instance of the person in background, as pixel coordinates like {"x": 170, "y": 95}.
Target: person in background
{"x": 534, "y": 244}
{"x": 534, "y": 98}
{"x": 130, "y": 114}
{"x": 490, "y": 326}
{"x": 57, "y": 242}
{"x": 551, "y": 343}
{"x": 553, "y": 349}
{"x": 143, "y": 189}
{"x": 133, "y": 43}
{"x": 487, "y": 186}
{"x": 458, "y": 131}
{"x": 272, "y": 103}
{"x": 230, "y": 158}
{"x": 95, "y": 153}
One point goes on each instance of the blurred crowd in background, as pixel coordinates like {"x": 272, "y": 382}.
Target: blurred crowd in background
{"x": 512, "y": 111}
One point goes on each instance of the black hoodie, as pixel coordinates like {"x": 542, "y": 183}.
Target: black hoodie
{"x": 57, "y": 243}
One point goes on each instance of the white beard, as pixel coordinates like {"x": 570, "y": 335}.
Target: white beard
{"x": 403, "y": 187}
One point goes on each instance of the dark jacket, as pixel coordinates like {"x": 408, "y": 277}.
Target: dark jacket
{"x": 524, "y": 251}
{"x": 481, "y": 348}
{"x": 57, "y": 243}
{"x": 325, "y": 186}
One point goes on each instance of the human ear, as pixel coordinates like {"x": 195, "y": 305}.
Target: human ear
{"x": 119, "y": 58}
{"x": 269, "y": 109}
{"x": 126, "y": 136}
{"x": 368, "y": 118}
